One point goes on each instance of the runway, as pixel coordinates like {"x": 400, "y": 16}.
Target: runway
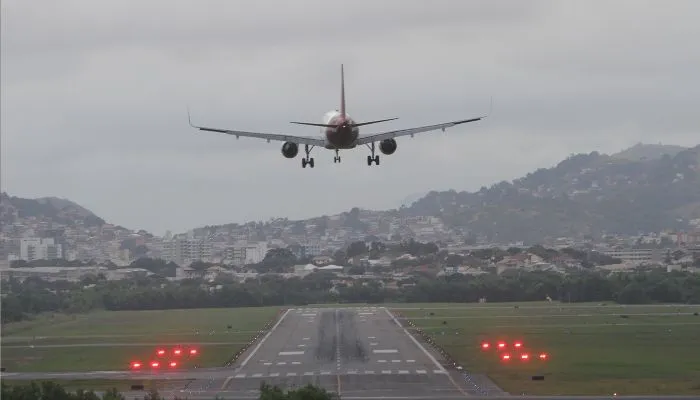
{"x": 353, "y": 352}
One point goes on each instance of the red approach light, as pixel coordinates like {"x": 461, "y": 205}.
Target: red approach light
{"x": 177, "y": 352}
{"x": 160, "y": 352}
{"x": 525, "y": 357}
{"x": 505, "y": 357}
{"x": 135, "y": 365}
{"x": 501, "y": 345}
{"x": 173, "y": 364}
{"x": 543, "y": 356}
{"x": 193, "y": 352}
{"x": 485, "y": 346}
{"x": 518, "y": 345}
{"x": 155, "y": 364}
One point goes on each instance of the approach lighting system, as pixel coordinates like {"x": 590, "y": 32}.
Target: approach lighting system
{"x": 543, "y": 356}
{"x": 173, "y": 364}
{"x": 501, "y": 345}
{"x": 485, "y": 346}
{"x": 155, "y": 364}
{"x": 160, "y": 352}
{"x": 525, "y": 357}
{"x": 135, "y": 365}
{"x": 193, "y": 352}
{"x": 177, "y": 352}
{"x": 518, "y": 345}
{"x": 505, "y": 357}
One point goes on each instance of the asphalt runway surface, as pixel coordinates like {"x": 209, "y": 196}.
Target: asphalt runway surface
{"x": 359, "y": 353}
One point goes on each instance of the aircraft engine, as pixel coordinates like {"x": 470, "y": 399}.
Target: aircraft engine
{"x": 387, "y": 146}
{"x": 290, "y": 149}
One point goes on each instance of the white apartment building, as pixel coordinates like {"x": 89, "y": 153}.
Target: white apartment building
{"x": 636, "y": 255}
{"x": 181, "y": 251}
{"x": 243, "y": 253}
{"x": 31, "y": 249}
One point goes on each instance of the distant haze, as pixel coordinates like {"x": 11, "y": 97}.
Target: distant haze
{"x": 95, "y": 95}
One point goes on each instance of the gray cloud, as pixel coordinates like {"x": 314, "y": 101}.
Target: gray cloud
{"x": 95, "y": 95}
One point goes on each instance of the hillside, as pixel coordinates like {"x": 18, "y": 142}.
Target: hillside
{"x": 50, "y": 209}
{"x": 641, "y": 152}
{"x": 586, "y": 194}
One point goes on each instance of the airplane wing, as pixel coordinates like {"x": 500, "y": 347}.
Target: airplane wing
{"x": 311, "y": 141}
{"x": 377, "y": 137}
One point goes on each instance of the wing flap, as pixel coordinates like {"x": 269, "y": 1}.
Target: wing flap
{"x": 264, "y": 136}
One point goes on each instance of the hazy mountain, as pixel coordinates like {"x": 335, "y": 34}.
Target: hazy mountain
{"x": 641, "y": 152}
{"x": 584, "y": 194}
{"x": 642, "y": 189}
{"x": 52, "y": 209}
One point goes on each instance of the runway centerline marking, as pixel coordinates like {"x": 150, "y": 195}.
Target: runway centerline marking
{"x": 255, "y": 350}
{"x": 384, "y": 351}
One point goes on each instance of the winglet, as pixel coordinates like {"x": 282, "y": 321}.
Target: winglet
{"x": 189, "y": 118}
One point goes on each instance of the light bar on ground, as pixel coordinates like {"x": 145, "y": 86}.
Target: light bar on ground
{"x": 135, "y": 365}
{"x": 155, "y": 364}
{"x": 525, "y": 357}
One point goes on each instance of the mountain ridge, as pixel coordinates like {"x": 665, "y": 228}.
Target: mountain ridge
{"x": 641, "y": 189}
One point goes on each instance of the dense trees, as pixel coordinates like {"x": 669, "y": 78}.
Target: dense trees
{"x": 36, "y": 296}
{"x": 54, "y": 391}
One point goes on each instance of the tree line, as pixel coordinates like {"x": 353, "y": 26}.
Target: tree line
{"x": 54, "y": 391}
{"x": 34, "y": 295}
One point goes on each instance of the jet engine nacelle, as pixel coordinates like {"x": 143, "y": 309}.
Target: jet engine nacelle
{"x": 387, "y": 146}
{"x": 290, "y": 149}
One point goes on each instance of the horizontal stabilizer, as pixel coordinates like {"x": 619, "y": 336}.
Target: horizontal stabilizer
{"x": 313, "y": 124}
{"x": 374, "y": 122}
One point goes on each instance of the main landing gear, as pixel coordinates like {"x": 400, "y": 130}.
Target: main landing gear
{"x": 372, "y": 158}
{"x": 307, "y": 160}
{"x": 336, "y": 159}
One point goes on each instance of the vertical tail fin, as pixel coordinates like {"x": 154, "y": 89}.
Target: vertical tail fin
{"x": 342, "y": 92}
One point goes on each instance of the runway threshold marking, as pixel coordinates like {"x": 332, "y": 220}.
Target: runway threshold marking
{"x": 415, "y": 341}
{"x": 441, "y": 369}
{"x": 384, "y": 351}
{"x": 255, "y": 350}
{"x": 291, "y": 353}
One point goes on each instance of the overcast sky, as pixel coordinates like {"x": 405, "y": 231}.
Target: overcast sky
{"x": 95, "y": 93}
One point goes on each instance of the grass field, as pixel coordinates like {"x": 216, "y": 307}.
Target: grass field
{"x": 110, "y": 340}
{"x": 593, "y": 349}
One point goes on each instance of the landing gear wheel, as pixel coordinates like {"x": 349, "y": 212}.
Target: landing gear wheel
{"x": 307, "y": 160}
{"x": 372, "y": 158}
{"x": 336, "y": 159}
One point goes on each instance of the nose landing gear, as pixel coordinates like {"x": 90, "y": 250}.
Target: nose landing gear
{"x": 336, "y": 159}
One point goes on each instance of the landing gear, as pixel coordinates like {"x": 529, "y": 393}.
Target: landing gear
{"x": 372, "y": 158}
{"x": 307, "y": 160}
{"x": 336, "y": 159}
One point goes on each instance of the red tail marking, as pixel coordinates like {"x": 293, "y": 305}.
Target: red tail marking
{"x": 342, "y": 93}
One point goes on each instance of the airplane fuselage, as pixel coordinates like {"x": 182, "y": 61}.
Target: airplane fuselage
{"x": 344, "y": 136}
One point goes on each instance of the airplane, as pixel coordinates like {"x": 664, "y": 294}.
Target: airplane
{"x": 340, "y": 132}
